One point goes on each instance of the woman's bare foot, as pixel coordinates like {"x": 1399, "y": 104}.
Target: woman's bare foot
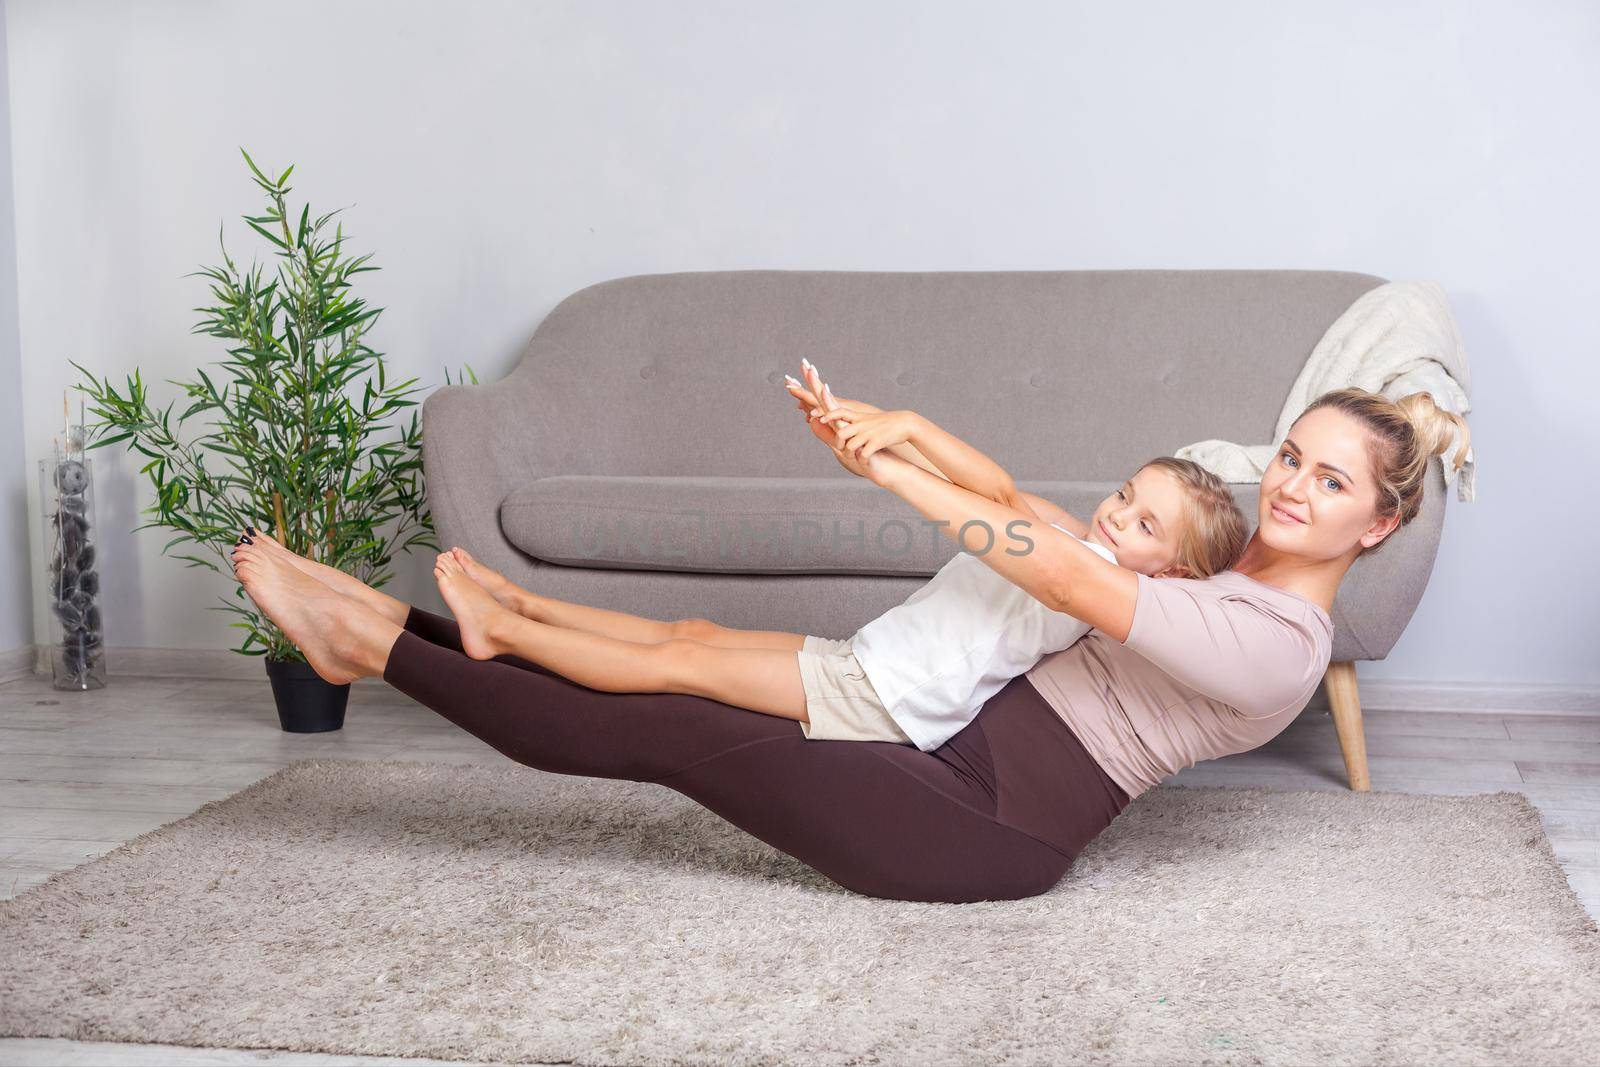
{"x": 338, "y": 635}
{"x": 396, "y": 611}
{"x": 481, "y": 618}
{"x": 496, "y": 584}
{"x": 320, "y": 571}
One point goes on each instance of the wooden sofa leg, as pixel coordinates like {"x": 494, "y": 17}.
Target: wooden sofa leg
{"x": 1345, "y": 704}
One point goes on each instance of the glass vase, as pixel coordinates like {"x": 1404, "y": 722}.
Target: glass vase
{"x": 72, "y": 579}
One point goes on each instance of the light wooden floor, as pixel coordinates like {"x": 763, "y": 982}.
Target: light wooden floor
{"x": 81, "y": 773}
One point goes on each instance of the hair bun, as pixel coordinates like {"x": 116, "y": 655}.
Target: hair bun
{"x": 1435, "y": 427}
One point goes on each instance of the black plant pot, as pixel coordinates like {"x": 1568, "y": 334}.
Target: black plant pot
{"x": 306, "y": 703}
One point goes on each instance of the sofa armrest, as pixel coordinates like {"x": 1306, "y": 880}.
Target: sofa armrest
{"x": 478, "y": 443}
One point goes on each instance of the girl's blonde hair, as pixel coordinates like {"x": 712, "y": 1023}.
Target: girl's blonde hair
{"x": 1402, "y": 436}
{"x": 1216, "y": 532}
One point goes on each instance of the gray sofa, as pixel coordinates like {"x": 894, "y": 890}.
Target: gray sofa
{"x": 643, "y": 455}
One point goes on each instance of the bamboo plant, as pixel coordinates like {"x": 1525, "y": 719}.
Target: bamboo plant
{"x": 300, "y": 428}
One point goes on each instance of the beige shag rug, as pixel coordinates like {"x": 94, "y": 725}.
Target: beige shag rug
{"x": 501, "y": 913}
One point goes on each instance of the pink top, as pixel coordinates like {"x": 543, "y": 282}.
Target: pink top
{"x": 1211, "y": 667}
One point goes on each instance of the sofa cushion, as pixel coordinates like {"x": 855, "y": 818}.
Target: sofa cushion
{"x": 754, "y": 525}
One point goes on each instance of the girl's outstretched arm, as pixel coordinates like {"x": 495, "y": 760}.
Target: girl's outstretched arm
{"x": 910, "y": 436}
{"x": 1029, "y": 503}
{"x": 962, "y": 464}
{"x": 810, "y": 400}
{"x": 1052, "y": 513}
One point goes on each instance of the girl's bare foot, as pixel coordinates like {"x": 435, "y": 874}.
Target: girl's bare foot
{"x": 337, "y": 635}
{"x": 480, "y": 616}
{"x": 496, "y": 584}
{"x": 396, "y": 611}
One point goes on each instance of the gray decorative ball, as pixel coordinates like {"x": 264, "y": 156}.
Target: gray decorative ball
{"x": 72, "y": 477}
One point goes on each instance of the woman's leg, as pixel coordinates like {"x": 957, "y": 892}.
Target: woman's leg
{"x": 996, "y": 813}
{"x": 335, "y": 579}
{"x": 758, "y": 679}
{"x": 878, "y": 818}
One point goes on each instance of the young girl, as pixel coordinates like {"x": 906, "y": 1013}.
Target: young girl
{"x": 916, "y": 674}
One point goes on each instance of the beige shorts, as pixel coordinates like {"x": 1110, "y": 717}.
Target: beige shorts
{"x": 840, "y": 701}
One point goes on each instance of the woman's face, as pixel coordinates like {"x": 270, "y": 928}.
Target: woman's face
{"x": 1318, "y": 495}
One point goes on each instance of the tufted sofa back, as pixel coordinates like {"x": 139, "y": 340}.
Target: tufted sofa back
{"x": 1057, "y": 374}
{"x": 1070, "y": 379}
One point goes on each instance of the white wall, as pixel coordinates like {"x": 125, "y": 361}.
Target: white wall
{"x": 16, "y": 626}
{"x": 497, "y": 156}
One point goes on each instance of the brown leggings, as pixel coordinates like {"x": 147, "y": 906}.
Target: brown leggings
{"x": 997, "y": 812}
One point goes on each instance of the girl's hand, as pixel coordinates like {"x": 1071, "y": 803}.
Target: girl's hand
{"x": 868, "y": 434}
{"x": 876, "y": 469}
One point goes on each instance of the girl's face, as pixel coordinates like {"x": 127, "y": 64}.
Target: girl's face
{"x": 1318, "y": 496}
{"x": 1141, "y": 523}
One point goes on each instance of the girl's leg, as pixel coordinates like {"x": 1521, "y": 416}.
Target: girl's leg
{"x": 877, "y": 818}
{"x": 548, "y": 610}
{"x": 758, "y": 679}
{"x": 553, "y": 612}
{"x": 530, "y": 605}
{"x": 633, "y": 628}
{"x": 709, "y": 633}
{"x": 617, "y": 624}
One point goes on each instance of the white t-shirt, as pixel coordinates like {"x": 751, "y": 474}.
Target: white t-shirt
{"x": 957, "y": 641}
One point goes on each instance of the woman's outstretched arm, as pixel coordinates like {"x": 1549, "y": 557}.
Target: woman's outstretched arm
{"x": 1059, "y": 571}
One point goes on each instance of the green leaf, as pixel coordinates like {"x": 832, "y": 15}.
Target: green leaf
{"x": 252, "y": 163}
{"x": 269, "y": 236}
{"x": 289, "y": 407}
{"x": 109, "y": 440}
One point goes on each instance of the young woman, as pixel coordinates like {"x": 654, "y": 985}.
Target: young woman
{"x": 1175, "y": 671}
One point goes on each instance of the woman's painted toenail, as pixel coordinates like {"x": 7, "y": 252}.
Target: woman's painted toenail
{"x": 248, "y": 541}
{"x": 251, "y": 530}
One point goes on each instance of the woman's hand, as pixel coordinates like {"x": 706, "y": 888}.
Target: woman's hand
{"x": 815, "y": 399}
{"x": 810, "y": 393}
{"x": 869, "y": 433}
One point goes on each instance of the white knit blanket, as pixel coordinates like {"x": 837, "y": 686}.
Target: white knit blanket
{"x": 1396, "y": 339}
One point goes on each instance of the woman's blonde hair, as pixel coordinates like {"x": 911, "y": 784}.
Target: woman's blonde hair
{"x": 1214, "y": 537}
{"x": 1402, "y": 436}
